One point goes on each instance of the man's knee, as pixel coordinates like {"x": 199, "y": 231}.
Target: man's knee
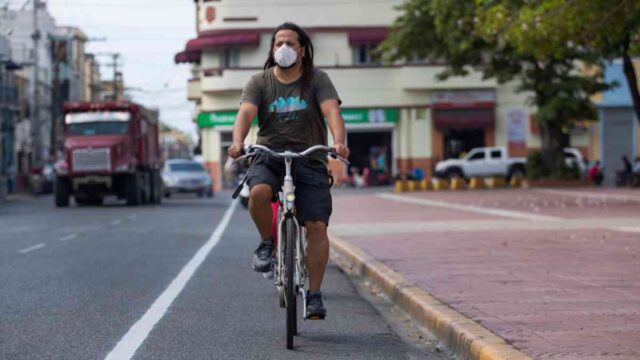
{"x": 261, "y": 193}
{"x": 316, "y": 227}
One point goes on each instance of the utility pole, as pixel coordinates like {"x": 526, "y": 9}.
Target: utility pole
{"x": 116, "y": 74}
{"x": 35, "y": 113}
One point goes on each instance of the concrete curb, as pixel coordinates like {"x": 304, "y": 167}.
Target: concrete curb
{"x": 461, "y": 336}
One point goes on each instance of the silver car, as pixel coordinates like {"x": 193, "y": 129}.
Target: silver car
{"x": 186, "y": 176}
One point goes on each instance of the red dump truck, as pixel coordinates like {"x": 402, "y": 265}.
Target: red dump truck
{"x": 110, "y": 148}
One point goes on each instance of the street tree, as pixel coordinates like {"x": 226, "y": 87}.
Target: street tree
{"x": 555, "y": 28}
{"x": 453, "y": 33}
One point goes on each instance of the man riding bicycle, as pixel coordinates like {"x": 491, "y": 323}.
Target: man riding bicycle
{"x": 292, "y": 99}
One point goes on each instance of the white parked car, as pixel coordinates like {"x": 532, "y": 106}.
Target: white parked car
{"x": 495, "y": 161}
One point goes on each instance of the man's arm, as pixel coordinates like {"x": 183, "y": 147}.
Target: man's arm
{"x": 246, "y": 114}
{"x": 331, "y": 110}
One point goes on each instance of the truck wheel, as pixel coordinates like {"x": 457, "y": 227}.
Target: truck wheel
{"x": 516, "y": 172}
{"x": 454, "y": 174}
{"x": 156, "y": 187}
{"x": 62, "y": 190}
{"x": 134, "y": 191}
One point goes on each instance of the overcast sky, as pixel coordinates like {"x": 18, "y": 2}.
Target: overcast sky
{"x": 148, "y": 34}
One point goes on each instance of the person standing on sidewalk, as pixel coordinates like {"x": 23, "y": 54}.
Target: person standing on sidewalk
{"x": 292, "y": 99}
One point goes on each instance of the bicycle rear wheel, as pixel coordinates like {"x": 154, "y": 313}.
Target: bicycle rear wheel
{"x": 290, "y": 288}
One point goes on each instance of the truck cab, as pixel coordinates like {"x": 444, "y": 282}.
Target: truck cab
{"x": 110, "y": 148}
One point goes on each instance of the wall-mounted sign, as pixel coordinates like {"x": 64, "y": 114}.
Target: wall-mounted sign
{"x": 463, "y": 98}
{"x": 352, "y": 116}
{"x": 516, "y": 126}
{"x": 210, "y": 14}
{"x": 218, "y": 118}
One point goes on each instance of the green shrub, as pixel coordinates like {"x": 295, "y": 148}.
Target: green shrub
{"x": 536, "y": 168}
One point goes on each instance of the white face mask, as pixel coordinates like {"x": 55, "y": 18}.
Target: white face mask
{"x": 285, "y": 56}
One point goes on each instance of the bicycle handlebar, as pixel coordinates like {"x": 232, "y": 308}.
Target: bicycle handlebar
{"x": 251, "y": 151}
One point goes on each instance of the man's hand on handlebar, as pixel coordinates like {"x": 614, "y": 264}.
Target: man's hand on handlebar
{"x": 341, "y": 149}
{"x": 236, "y": 150}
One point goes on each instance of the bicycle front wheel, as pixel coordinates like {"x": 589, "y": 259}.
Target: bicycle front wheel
{"x": 290, "y": 287}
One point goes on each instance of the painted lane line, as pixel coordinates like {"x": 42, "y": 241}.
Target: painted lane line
{"x": 129, "y": 344}
{"x": 68, "y": 237}
{"x": 471, "y": 208}
{"x": 32, "y": 248}
{"x": 590, "y": 195}
{"x": 116, "y": 222}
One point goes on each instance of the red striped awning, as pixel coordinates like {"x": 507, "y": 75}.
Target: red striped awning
{"x": 373, "y": 35}
{"x": 225, "y": 38}
{"x": 188, "y": 57}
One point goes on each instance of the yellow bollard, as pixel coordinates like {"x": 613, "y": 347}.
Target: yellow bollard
{"x": 497, "y": 182}
{"x": 440, "y": 184}
{"x": 516, "y": 181}
{"x": 458, "y": 184}
{"x": 399, "y": 184}
{"x": 476, "y": 183}
{"x": 425, "y": 185}
{"x": 411, "y": 185}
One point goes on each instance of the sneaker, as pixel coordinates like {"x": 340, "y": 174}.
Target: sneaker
{"x": 262, "y": 256}
{"x": 315, "y": 308}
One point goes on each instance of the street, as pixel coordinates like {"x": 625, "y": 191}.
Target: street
{"x": 75, "y": 281}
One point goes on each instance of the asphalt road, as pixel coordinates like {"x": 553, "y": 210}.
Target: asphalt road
{"x": 88, "y": 282}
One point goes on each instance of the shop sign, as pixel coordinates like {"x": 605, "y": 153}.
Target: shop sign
{"x": 516, "y": 126}
{"x": 216, "y": 118}
{"x": 359, "y": 116}
{"x": 350, "y": 116}
{"x": 463, "y": 98}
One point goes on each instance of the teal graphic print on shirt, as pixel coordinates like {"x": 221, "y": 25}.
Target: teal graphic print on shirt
{"x": 287, "y": 105}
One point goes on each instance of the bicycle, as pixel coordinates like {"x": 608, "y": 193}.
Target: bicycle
{"x": 289, "y": 268}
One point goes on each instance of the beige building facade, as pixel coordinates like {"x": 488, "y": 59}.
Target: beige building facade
{"x": 400, "y": 110}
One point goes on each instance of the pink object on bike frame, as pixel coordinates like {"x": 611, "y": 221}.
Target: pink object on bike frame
{"x": 274, "y": 223}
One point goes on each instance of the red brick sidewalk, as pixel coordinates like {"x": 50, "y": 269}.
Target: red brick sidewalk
{"x": 566, "y": 285}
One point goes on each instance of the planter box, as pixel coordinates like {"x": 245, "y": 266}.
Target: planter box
{"x": 554, "y": 183}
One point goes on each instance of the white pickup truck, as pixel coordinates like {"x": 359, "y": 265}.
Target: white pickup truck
{"x": 494, "y": 161}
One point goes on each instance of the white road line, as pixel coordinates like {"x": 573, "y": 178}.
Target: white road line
{"x": 32, "y": 248}
{"x": 116, "y": 222}
{"x": 68, "y": 237}
{"x": 471, "y": 208}
{"x": 590, "y": 195}
{"x": 129, "y": 344}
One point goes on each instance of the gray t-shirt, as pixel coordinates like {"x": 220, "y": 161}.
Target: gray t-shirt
{"x": 285, "y": 121}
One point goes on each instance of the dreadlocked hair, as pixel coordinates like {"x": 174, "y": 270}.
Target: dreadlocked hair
{"x": 307, "y": 59}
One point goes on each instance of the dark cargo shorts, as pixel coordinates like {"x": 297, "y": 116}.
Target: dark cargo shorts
{"x": 311, "y": 181}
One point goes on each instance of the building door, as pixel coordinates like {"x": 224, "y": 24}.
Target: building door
{"x": 461, "y": 141}
{"x": 617, "y": 140}
{"x": 371, "y": 150}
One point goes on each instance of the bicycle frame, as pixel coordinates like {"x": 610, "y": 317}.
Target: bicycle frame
{"x": 286, "y": 211}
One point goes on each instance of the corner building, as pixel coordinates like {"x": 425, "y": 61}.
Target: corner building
{"x": 400, "y": 108}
